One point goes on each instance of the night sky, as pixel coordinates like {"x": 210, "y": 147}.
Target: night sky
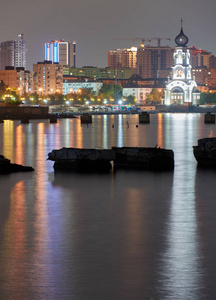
{"x": 95, "y": 24}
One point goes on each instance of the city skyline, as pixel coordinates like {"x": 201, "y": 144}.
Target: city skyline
{"x": 96, "y": 25}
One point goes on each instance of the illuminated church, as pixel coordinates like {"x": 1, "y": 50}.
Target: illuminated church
{"x": 181, "y": 88}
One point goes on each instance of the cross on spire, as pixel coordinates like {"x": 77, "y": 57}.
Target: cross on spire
{"x": 181, "y": 23}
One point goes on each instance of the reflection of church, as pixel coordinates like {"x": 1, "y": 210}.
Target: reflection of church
{"x": 181, "y": 88}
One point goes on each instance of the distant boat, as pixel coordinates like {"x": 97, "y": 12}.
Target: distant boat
{"x": 205, "y": 152}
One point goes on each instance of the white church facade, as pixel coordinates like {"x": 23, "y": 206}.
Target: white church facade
{"x": 181, "y": 88}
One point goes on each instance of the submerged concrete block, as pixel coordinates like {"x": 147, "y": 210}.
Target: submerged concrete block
{"x": 209, "y": 118}
{"x": 86, "y": 118}
{"x": 144, "y": 118}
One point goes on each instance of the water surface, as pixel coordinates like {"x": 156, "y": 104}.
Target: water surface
{"x": 124, "y": 235}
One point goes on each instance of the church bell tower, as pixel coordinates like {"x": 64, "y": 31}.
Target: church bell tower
{"x": 181, "y": 88}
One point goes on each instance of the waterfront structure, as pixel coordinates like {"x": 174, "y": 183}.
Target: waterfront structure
{"x": 122, "y": 58}
{"x": 100, "y": 73}
{"x": 48, "y": 78}
{"x": 73, "y": 85}
{"x": 13, "y": 53}
{"x": 181, "y": 89}
{"x": 151, "y": 61}
{"x": 61, "y": 52}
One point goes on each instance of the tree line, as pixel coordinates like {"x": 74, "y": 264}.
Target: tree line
{"x": 108, "y": 94}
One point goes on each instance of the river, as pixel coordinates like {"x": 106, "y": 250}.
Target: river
{"x": 123, "y": 235}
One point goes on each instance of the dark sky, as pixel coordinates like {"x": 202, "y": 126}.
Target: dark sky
{"x": 95, "y": 24}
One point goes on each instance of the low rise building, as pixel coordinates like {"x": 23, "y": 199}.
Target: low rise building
{"x": 140, "y": 93}
{"x": 100, "y": 73}
{"x": 18, "y": 79}
{"x": 73, "y": 85}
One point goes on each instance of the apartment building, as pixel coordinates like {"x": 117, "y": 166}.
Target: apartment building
{"x": 151, "y": 61}
{"x": 122, "y": 58}
{"x": 48, "y": 78}
{"x": 13, "y": 53}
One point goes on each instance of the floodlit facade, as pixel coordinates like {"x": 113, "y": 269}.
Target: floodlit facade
{"x": 181, "y": 89}
{"x": 74, "y": 86}
{"x": 140, "y": 93}
{"x": 122, "y": 58}
{"x": 13, "y": 53}
{"x": 48, "y": 78}
{"x": 61, "y": 52}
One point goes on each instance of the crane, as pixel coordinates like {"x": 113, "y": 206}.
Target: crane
{"x": 136, "y": 39}
{"x": 159, "y": 40}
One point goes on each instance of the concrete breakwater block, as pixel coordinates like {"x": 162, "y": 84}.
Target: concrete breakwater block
{"x": 83, "y": 160}
{"x": 7, "y": 167}
{"x": 144, "y": 158}
{"x": 144, "y": 118}
{"x": 100, "y": 160}
{"x": 25, "y": 120}
{"x": 86, "y": 118}
{"x": 205, "y": 152}
{"x": 53, "y": 120}
{"x": 209, "y": 118}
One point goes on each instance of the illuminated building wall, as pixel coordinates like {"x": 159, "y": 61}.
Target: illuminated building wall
{"x": 18, "y": 79}
{"x": 201, "y": 75}
{"x": 61, "y": 52}
{"x": 48, "y": 78}
{"x": 122, "y": 58}
{"x": 139, "y": 93}
{"x": 73, "y": 86}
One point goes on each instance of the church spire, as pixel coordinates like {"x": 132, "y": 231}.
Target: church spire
{"x": 181, "y": 23}
{"x": 181, "y": 39}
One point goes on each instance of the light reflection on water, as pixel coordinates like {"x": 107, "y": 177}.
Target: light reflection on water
{"x": 125, "y": 235}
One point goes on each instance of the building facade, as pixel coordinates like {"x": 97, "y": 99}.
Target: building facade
{"x": 61, "y": 52}
{"x": 199, "y": 58}
{"x": 13, "y": 53}
{"x": 181, "y": 88}
{"x": 151, "y": 61}
{"x": 18, "y": 79}
{"x": 100, "y": 73}
{"x": 48, "y": 78}
{"x": 71, "y": 85}
{"x": 122, "y": 58}
{"x": 140, "y": 93}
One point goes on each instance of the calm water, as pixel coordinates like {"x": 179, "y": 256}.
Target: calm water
{"x": 127, "y": 235}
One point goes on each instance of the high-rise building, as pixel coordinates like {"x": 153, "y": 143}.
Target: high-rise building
{"x": 151, "y": 60}
{"x": 13, "y": 53}
{"x": 48, "y": 78}
{"x": 61, "y": 52}
{"x": 122, "y": 58}
{"x": 199, "y": 57}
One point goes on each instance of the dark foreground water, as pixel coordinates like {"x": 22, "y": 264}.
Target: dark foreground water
{"x": 118, "y": 236}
